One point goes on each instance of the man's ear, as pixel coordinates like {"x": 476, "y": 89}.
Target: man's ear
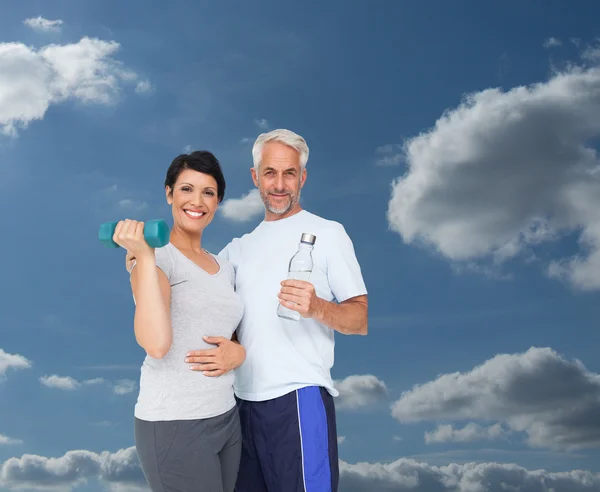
{"x": 254, "y": 176}
{"x": 303, "y": 179}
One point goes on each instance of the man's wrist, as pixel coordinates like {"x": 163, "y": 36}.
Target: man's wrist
{"x": 319, "y": 311}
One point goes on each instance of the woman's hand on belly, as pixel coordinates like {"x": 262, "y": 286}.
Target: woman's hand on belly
{"x": 226, "y": 356}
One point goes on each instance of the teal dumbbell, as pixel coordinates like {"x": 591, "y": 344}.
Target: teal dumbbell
{"x": 156, "y": 233}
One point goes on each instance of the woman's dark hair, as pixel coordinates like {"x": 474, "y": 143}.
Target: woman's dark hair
{"x": 202, "y": 161}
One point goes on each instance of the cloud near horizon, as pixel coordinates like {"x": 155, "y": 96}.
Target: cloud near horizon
{"x": 120, "y": 471}
{"x": 553, "y": 401}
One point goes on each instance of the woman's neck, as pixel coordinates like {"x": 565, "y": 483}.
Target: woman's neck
{"x": 184, "y": 241}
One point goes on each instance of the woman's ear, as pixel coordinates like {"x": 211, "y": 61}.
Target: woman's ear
{"x": 169, "y": 195}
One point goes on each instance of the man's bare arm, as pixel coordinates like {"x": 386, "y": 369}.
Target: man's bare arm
{"x": 348, "y": 317}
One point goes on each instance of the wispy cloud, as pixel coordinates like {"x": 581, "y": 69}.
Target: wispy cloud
{"x": 124, "y": 387}
{"x": 262, "y": 123}
{"x": 243, "y": 209}
{"x": 67, "y": 383}
{"x": 12, "y": 361}
{"x": 360, "y": 391}
{"x": 40, "y": 24}
{"x": 341, "y": 439}
{"x": 552, "y": 42}
{"x": 8, "y": 441}
{"x": 469, "y": 433}
{"x": 144, "y": 87}
{"x": 389, "y": 155}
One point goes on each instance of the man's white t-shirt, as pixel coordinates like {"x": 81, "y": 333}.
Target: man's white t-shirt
{"x": 284, "y": 355}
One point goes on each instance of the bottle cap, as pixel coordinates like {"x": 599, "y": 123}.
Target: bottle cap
{"x": 308, "y": 238}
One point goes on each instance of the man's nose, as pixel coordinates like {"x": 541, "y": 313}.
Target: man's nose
{"x": 279, "y": 182}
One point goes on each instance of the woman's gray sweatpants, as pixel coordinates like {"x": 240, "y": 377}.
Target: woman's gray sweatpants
{"x": 190, "y": 455}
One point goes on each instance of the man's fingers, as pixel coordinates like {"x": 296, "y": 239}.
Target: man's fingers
{"x": 213, "y": 366}
{"x": 203, "y": 353}
{"x": 215, "y": 340}
{"x": 206, "y": 359}
{"x": 214, "y": 374}
{"x": 291, "y": 305}
{"x": 300, "y": 284}
{"x": 291, "y": 297}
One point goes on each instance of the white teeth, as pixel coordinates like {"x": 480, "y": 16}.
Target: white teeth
{"x": 194, "y": 214}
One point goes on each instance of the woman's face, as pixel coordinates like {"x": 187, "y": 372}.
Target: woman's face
{"x": 193, "y": 200}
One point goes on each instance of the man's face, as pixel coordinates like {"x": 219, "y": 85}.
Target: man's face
{"x": 279, "y": 178}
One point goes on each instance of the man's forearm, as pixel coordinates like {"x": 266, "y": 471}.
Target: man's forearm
{"x": 349, "y": 317}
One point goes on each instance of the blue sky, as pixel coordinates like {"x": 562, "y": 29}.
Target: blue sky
{"x": 465, "y": 215}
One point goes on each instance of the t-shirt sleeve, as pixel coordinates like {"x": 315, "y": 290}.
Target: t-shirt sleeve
{"x": 165, "y": 260}
{"x": 343, "y": 270}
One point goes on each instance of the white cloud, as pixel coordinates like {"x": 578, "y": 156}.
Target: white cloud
{"x": 67, "y": 383}
{"x": 32, "y": 80}
{"x": 12, "y": 361}
{"x": 120, "y": 471}
{"x": 552, "y": 42}
{"x": 341, "y": 439}
{"x": 409, "y": 475}
{"x": 144, "y": 87}
{"x": 506, "y": 172}
{"x": 469, "y": 433}
{"x": 243, "y": 209}
{"x": 359, "y": 391}
{"x": 555, "y": 402}
{"x": 7, "y": 441}
{"x": 262, "y": 123}
{"x": 124, "y": 387}
{"x": 40, "y": 24}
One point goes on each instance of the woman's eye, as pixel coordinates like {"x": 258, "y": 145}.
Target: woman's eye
{"x": 210, "y": 193}
{"x": 186, "y": 188}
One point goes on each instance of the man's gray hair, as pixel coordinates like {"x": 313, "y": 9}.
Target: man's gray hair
{"x": 286, "y": 137}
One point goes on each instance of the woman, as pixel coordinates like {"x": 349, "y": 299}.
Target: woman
{"x": 187, "y": 430}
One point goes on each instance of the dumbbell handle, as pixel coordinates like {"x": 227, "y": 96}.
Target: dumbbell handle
{"x": 156, "y": 233}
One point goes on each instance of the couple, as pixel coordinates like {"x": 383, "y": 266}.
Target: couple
{"x": 232, "y": 396}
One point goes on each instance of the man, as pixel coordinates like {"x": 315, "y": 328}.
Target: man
{"x": 284, "y": 387}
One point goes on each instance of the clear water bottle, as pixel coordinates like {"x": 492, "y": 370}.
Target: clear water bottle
{"x": 300, "y": 268}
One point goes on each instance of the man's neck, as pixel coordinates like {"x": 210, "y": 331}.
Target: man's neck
{"x": 270, "y": 216}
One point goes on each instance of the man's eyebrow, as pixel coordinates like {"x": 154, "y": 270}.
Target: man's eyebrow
{"x": 269, "y": 168}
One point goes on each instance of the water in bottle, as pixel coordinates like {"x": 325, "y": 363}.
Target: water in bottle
{"x": 300, "y": 268}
